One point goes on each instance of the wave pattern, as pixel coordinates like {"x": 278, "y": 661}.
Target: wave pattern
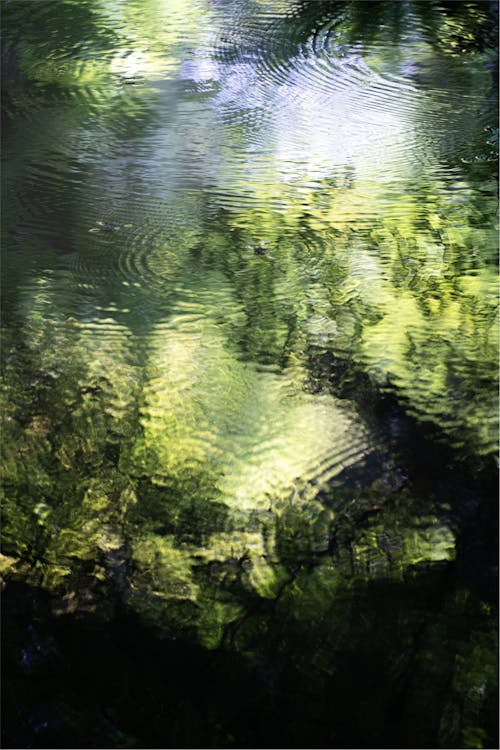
{"x": 239, "y": 186}
{"x": 250, "y": 284}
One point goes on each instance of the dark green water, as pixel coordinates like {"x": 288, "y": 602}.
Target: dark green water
{"x": 250, "y": 374}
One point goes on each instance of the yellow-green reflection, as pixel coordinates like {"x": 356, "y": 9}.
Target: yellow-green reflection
{"x": 234, "y": 231}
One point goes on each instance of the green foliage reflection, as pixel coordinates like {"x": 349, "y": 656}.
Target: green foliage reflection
{"x": 196, "y": 360}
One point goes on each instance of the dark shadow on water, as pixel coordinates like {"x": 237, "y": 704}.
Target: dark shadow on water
{"x": 387, "y": 665}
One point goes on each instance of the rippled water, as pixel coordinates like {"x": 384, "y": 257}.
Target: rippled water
{"x": 250, "y": 370}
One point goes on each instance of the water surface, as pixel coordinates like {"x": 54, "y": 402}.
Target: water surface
{"x": 250, "y": 373}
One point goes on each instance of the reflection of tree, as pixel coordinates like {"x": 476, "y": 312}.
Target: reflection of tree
{"x": 172, "y": 447}
{"x": 410, "y": 301}
{"x": 451, "y": 27}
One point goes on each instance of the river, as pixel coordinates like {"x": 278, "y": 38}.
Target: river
{"x": 250, "y": 373}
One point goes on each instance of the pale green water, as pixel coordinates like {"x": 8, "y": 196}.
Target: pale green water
{"x": 250, "y": 354}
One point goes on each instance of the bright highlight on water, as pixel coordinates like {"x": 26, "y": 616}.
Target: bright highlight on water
{"x": 250, "y": 373}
